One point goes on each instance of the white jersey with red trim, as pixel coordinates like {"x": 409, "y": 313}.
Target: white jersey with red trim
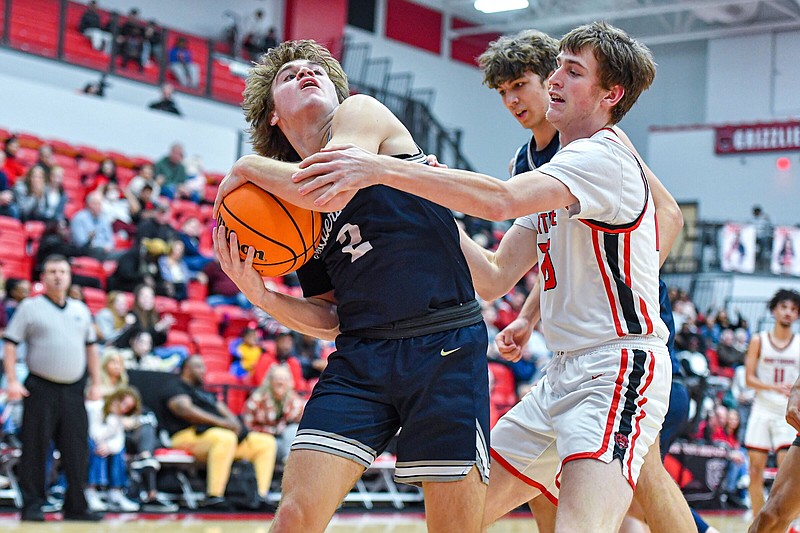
{"x": 776, "y": 367}
{"x": 598, "y": 258}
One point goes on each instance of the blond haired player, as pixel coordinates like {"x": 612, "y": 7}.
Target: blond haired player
{"x": 772, "y": 365}
{"x": 589, "y": 424}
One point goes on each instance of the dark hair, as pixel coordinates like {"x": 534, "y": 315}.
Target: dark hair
{"x": 53, "y": 258}
{"x": 784, "y": 295}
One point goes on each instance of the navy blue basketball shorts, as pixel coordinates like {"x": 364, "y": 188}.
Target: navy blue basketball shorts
{"x": 434, "y": 389}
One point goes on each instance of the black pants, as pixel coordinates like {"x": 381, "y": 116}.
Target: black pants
{"x": 54, "y": 412}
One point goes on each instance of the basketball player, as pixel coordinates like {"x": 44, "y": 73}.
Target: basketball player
{"x": 783, "y": 504}
{"x": 772, "y": 364}
{"x": 589, "y": 424}
{"x": 390, "y": 284}
{"x": 518, "y": 67}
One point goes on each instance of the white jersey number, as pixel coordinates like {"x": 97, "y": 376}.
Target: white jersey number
{"x": 356, "y": 248}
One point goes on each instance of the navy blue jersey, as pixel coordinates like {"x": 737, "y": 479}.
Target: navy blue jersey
{"x": 528, "y": 158}
{"x": 669, "y": 320}
{"x": 388, "y": 256}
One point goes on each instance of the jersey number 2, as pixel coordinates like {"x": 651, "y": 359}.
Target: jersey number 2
{"x": 548, "y": 272}
{"x": 356, "y": 248}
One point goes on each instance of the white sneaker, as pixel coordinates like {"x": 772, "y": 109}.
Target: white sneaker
{"x": 95, "y": 501}
{"x": 118, "y": 500}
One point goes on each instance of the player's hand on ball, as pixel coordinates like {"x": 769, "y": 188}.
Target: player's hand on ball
{"x": 241, "y": 272}
{"x": 233, "y": 180}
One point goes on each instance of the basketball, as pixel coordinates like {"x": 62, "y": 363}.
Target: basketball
{"x": 284, "y": 236}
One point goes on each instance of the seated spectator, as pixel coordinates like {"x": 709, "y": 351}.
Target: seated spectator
{"x": 275, "y": 408}
{"x": 270, "y": 39}
{"x": 121, "y": 210}
{"x": 107, "y": 466}
{"x": 195, "y": 185}
{"x": 146, "y": 176}
{"x": 13, "y": 168}
{"x": 144, "y": 317}
{"x": 139, "y": 266}
{"x": 92, "y": 26}
{"x": 45, "y": 159}
{"x": 175, "y": 272}
{"x": 97, "y": 88}
{"x": 167, "y": 103}
{"x": 76, "y": 293}
{"x": 246, "y": 352}
{"x": 734, "y": 492}
{"x": 113, "y": 374}
{"x": 110, "y": 320}
{"x": 684, "y": 334}
{"x": 36, "y": 201}
{"x": 206, "y": 428}
{"x": 253, "y": 32}
{"x": 309, "y": 352}
{"x": 157, "y": 225}
{"x": 153, "y": 37}
{"x": 16, "y": 291}
{"x": 221, "y": 289}
{"x": 170, "y": 169}
{"x": 140, "y": 355}
{"x": 8, "y": 207}
{"x": 190, "y": 236}
{"x": 286, "y": 355}
{"x": 92, "y": 229}
{"x": 130, "y": 40}
{"x": 106, "y": 173}
{"x": 57, "y": 240}
{"x": 56, "y": 184}
{"x": 182, "y": 66}
{"x": 729, "y": 356}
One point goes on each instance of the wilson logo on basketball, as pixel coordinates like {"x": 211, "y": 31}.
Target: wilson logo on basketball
{"x": 243, "y": 248}
{"x": 621, "y": 440}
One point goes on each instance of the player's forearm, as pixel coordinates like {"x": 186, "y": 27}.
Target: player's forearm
{"x": 531, "y": 310}
{"x": 313, "y": 317}
{"x": 670, "y": 216}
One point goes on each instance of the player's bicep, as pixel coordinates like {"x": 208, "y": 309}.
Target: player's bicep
{"x": 363, "y": 121}
{"x": 539, "y": 192}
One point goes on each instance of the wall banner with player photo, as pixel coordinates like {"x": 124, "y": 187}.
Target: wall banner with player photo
{"x": 738, "y": 248}
{"x": 785, "y": 248}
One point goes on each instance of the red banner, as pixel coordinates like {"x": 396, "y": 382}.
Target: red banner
{"x": 765, "y": 137}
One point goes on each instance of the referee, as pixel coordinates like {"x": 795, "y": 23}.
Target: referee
{"x": 61, "y": 345}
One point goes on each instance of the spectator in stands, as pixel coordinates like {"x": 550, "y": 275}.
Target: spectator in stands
{"x": 45, "y": 159}
{"x": 122, "y": 209}
{"x": 182, "y": 65}
{"x": 146, "y": 176}
{"x": 110, "y": 320}
{"x": 204, "y": 426}
{"x": 36, "y": 201}
{"x": 138, "y": 265}
{"x": 270, "y": 39}
{"x": 113, "y": 374}
{"x": 76, "y": 293}
{"x": 8, "y": 207}
{"x": 190, "y": 236}
{"x": 107, "y": 467}
{"x": 275, "y": 408}
{"x": 730, "y": 437}
{"x": 763, "y": 226}
{"x": 106, "y": 173}
{"x": 130, "y": 40}
{"x": 729, "y": 356}
{"x": 57, "y": 239}
{"x": 92, "y": 26}
{"x": 97, "y": 88}
{"x": 170, "y": 168}
{"x": 683, "y": 309}
{"x": 309, "y": 350}
{"x": 12, "y": 166}
{"x": 140, "y": 355}
{"x": 221, "y": 289}
{"x": 175, "y": 272}
{"x": 144, "y": 317}
{"x": 167, "y": 103}
{"x": 286, "y": 354}
{"x": 92, "y": 229}
{"x": 56, "y": 184}
{"x": 16, "y": 291}
{"x": 158, "y": 226}
{"x": 195, "y": 185}
{"x": 246, "y": 351}
{"x": 254, "y": 32}
{"x": 152, "y": 44}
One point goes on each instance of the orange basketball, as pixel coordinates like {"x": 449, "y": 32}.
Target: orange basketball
{"x": 283, "y": 234}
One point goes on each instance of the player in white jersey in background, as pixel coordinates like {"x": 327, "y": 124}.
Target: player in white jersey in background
{"x": 607, "y": 387}
{"x": 772, "y": 365}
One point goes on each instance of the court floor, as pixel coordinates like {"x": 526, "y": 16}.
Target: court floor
{"x": 344, "y": 523}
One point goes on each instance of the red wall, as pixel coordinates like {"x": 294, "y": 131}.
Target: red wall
{"x": 467, "y": 49}
{"x": 321, "y": 20}
{"x": 414, "y": 24}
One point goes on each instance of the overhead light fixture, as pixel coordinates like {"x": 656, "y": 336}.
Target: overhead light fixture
{"x": 497, "y": 6}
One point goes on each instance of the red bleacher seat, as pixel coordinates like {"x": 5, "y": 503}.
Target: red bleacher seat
{"x": 202, "y": 327}
{"x": 10, "y": 224}
{"x": 34, "y": 229}
{"x": 504, "y": 393}
{"x": 90, "y": 267}
{"x": 165, "y": 304}
{"x": 197, "y": 291}
{"x": 95, "y": 298}
{"x": 208, "y": 340}
{"x": 13, "y": 243}
{"x": 180, "y": 338}
{"x": 199, "y": 310}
